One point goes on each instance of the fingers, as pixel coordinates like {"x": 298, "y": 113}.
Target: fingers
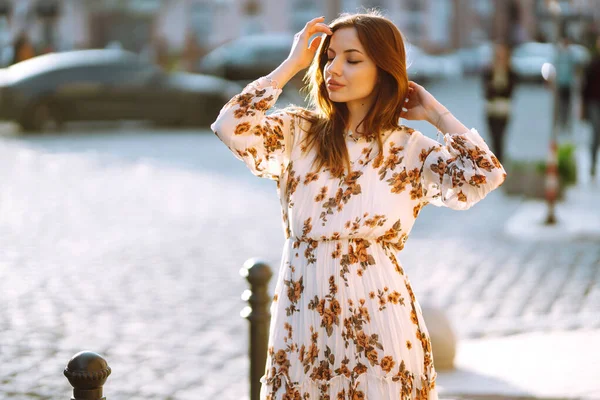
{"x": 314, "y": 44}
{"x": 316, "y": 25}
{"x": 320, "y": 27}
{"x": 314, "y": 21}
{"x": 412, "y": 85}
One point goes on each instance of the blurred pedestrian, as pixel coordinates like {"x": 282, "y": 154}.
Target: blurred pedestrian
{"x": 499, "y": 81}
{"x": 565, "y": 62}
{"x": 23, "y": 49}
{"x": 590, "y": 98}
{"x": 352, "y": 182}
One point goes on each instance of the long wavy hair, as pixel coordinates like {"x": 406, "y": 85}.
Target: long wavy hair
{"x": 328, "y": 120}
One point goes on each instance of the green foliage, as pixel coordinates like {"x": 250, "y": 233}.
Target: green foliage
{"x": 567, "y": 165}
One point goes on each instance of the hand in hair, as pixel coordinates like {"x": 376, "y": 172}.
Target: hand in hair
{"x": 422, "y": 105}
{"x": 302, "y": 53}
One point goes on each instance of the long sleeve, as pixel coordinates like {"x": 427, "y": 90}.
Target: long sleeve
{"x": 262, "y": 141}
{"x": 460, "y": 172}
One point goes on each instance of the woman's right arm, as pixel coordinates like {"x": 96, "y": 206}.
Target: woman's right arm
{"x": 264, "y": 142}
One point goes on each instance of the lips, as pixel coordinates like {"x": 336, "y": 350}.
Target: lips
{"x": 332, "y": 84}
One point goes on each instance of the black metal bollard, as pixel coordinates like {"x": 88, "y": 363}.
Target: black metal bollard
{"x": 87, "y": 372}
{"x": 258, "y": 274}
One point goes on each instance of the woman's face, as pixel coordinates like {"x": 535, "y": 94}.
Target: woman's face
{"x": 349, "y": 73}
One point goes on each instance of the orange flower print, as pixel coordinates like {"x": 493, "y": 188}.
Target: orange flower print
{"x": 477, "y": 180}
{"x": 329, "y": 314}
{"x": 294, "y": 292}
{"x": 262, "y": 105}
{"x": 496, "y": 162}
{"x": 291, "y": 394}
{"x": 322, "y": 194}
{"x": 310, "y": 177}
{"x": 335, "y": 307}
{"x": 377, "y": 220}
{"x": 360, "y": 369}
{"x": 395, "y": 298}
{"x": 483, "y": 163}
{"x": 417, "y": 210}
{"x": 295, "y": 289}
{"x": 358, "y": 395}
{"x": 378, "y": 160}
{"x": 322, "y": 372}
{"x": 272, "y": 143}
{"x": 344, "y": 370}
{"x": 280, "y": 357}
{"x": 242, "y": 128}
{"x": 387, "y": 363}
{"x": 439, "y": 167}
{"x": 398, "y": 182}
{"x": 338, "y": 251}
{"x": 413, "y": 317}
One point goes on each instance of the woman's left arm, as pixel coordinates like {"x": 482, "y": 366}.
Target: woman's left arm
{"x": 458, "y": 173}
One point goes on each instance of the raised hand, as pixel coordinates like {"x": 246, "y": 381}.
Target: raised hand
{"x": 421, "y": 104}
{"x": 302, "y": 53}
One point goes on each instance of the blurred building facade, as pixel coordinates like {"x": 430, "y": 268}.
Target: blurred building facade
{"x": 192, "y": 27}
{"x": 50, "y": 25}
{"x": 436, "y": 25}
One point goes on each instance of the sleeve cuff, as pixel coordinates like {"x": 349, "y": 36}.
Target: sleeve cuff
{"x": 265, "y": 83}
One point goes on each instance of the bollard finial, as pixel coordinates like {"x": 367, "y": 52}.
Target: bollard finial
{"x": 257, "y": 271}
{"x": 87, "y": 372}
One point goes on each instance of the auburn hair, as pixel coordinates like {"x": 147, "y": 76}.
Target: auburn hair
{"x": 328, "y": 120}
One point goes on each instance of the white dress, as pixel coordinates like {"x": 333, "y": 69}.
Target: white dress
{"x": 345, "y": 323}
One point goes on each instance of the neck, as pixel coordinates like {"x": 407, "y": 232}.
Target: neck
{"x": 357, "y": 110}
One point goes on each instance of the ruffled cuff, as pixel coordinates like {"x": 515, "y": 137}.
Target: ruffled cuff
{"x": 264, "y": 83}
{"x": 461, "y": 172}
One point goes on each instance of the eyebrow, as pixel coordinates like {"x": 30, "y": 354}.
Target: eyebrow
{"x": 346, "y": 51}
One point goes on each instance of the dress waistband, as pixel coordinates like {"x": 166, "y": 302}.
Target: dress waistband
{"x": 350, "y": 239}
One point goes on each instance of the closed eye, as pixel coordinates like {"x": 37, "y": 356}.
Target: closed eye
{"x": 349, "y": 62}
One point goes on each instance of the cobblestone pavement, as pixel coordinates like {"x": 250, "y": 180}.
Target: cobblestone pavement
{"x": 129, "y": 243}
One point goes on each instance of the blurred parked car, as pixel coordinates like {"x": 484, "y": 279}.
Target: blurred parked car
{"x": 423, "y": 67}
{"x": 248, "y": 57}
{"x": 527, "y": 59}
{"x": 475, "y": 59}
{"x": 107, "y": 84}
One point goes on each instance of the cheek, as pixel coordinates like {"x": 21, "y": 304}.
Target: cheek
{"x": 363, "y": 79}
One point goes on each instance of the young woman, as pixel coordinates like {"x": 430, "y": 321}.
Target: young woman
{"x": 345, "y": 322}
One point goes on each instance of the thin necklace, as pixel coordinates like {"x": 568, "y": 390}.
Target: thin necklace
{"x": 350, "y": 135}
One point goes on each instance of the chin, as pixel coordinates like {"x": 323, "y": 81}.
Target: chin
{"x": 337, "y": 98}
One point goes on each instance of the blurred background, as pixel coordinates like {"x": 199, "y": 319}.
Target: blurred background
{"x": 124, "y": 221}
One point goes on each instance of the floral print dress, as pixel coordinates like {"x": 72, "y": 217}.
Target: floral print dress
{"x": 345, "y": 322}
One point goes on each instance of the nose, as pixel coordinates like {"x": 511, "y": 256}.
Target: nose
{"x": 334, "y": 67}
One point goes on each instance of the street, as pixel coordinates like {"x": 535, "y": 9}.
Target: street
{"x": 128, "y": 242}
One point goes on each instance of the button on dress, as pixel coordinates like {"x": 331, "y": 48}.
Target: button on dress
{"x": 345, "y": 323}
